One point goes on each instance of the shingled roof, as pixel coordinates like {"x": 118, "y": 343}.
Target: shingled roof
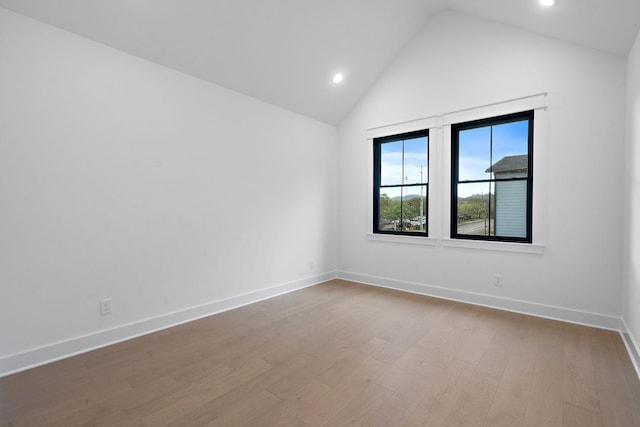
{"x": 519, "y": 163}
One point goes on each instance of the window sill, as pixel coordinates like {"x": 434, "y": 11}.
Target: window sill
{"x": 523, "y": 248}
{"x": 404, "y": 240}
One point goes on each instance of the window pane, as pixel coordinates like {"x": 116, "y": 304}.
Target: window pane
{"x": 474, "y": 154}
{"x": 511, "y": 208}
{"x": 391, "y": 163}
{"x": 402, "y": 183}
{"x": 415, "y": 160}
{"x": 414, "y": 208}
{"x": 389, "y": 209}
{"x": 476, "y": 209}
{"x": 490, "y": 178}
{"x": 510, "y": 150}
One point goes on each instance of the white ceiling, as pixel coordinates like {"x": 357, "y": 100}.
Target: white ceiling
{"x": 285, "y": 51}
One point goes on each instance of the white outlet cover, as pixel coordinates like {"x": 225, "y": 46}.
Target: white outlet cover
{"x": 105, "y": 306}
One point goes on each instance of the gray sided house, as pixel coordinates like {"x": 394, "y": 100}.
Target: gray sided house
{"x": 511, "y": 196}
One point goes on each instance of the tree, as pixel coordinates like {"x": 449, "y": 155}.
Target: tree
{"x": 389, "y": 209}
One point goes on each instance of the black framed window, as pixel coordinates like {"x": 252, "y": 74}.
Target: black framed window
{"x": 491, "y": 178}
{"x": 401, "y": 183}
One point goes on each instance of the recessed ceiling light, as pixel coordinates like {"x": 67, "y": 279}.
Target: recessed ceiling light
{"x": 547, "y": 2}
{"x": 338, "y": 78}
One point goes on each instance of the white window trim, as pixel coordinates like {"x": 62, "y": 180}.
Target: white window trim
{"x": 485, "y": 245}
{"x": 402, "y": 239}
{"x": 399, "y": 128}
{"x": 440, "y": 175}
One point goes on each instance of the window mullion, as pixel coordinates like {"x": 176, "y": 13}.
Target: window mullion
{"x": 491, "y": 175}
{"x": 403, "y": 179}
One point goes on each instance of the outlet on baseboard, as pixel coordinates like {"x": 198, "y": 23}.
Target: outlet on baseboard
{"x": 498, "y": 279}
{"x": 105, "y": 306}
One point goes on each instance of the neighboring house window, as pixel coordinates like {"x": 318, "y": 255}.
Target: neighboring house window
{"x": 491, "y": 179}
{"x": 401, "y": 183}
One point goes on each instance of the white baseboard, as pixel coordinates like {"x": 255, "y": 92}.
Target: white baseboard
{"x": 632, "y": 346}
{"x": 601, "y": 321}
{"x": 39, "y": 356}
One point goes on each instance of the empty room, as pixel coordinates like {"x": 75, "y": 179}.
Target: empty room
{"x": 320, "y": 213}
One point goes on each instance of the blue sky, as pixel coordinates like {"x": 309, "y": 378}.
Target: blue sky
{"x": 476, "y": 155}
{"x": 415, "y": 162}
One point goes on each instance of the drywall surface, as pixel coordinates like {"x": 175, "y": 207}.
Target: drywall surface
{"x": 459, "y": 62}
{"x": 631, "y": 298}
{"x": 126, "y": 180}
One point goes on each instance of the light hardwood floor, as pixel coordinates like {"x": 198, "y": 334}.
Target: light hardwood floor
{"x": 340, "y": 354}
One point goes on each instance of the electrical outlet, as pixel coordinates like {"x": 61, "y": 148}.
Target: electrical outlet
{"x": 311, "y": 265}
{"x": 105, "y": 306}
{"x": 498, "y": 279}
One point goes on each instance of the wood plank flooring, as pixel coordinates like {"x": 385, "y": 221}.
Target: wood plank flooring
{"x": 339, "y": 354}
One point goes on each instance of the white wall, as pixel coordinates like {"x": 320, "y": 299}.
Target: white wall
{"x": 631, "y": 298}
{"x": 458, "y": 62}
{"x": 123, "y": 179}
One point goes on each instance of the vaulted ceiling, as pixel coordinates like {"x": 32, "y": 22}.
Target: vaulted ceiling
{"x": 285, "y": 52}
